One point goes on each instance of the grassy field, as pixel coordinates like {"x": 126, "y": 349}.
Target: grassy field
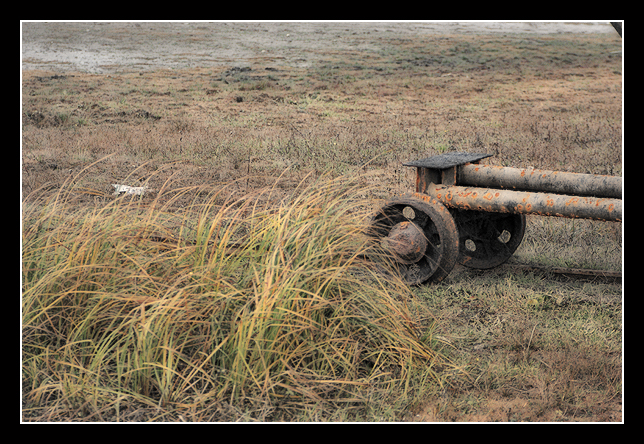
{"x": 236, "y": 289}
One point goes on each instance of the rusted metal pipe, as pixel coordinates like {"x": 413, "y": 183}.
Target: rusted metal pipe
{"x": 540, "y": 180}
{"x": 506, "y": 201}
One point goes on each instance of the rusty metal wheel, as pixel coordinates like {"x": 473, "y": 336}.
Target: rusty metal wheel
{"x": 487, "y": 239}
{"x": 421, "y": 236}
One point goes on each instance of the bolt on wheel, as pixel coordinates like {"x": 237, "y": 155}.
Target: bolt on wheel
{"x": 420, "y": 235}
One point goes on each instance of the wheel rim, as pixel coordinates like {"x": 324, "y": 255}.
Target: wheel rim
{"x": 487, "y": 239}
{"x": 440, "y": 247}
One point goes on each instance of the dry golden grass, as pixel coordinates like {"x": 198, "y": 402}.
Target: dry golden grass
{"x": 544, "y": 106}
{"x": 259, "y": 307}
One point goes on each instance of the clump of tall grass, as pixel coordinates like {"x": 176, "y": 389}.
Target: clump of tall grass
{"x": 219, "y": 310}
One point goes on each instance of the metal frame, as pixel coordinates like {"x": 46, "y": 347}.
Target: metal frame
{"x": 472, "y": 214}
{"x": 458, "y": 181}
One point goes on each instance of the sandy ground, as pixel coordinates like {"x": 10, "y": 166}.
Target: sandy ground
{"x": 104, "y": 47}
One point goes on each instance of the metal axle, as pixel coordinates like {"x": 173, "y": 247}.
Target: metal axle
{"x": 522, "y": 202}
{"x": 540, "y": 180}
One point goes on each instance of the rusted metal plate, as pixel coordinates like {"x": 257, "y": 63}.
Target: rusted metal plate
{"x": 571, "y": 272}
{"x": 447, "y": 160}
{"x": 540, "y": 180}
{"x": 524, "y": 202}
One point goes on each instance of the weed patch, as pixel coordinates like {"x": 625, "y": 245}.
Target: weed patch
{"x": 224, "y": 302}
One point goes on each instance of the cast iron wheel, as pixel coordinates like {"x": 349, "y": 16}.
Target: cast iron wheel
{"x": 487, "y": 239}
{"x": 421, "y": 235}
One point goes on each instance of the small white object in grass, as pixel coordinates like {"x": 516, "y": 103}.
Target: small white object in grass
{"x": 120, "y": 189}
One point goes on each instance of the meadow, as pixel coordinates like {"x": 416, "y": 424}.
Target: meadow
{"x": 237, "y": 288}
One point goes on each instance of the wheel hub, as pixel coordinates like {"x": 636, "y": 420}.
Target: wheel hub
{"x": 407, "y": 242}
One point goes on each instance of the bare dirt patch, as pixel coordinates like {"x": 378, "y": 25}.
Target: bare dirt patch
{"x": 103, "y": 47}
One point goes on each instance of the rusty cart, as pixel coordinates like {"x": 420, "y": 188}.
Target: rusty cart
{"x": 474, "y": 214}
